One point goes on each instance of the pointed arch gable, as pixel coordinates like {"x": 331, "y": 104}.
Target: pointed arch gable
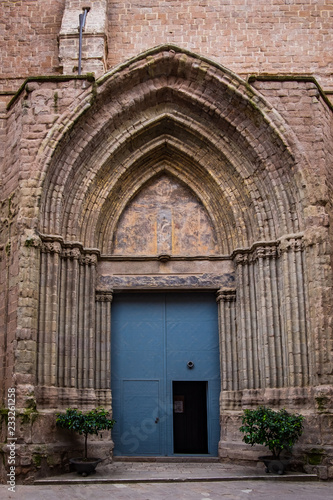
{"x": 165, "y": 157}
{"x": 172, "y": 106}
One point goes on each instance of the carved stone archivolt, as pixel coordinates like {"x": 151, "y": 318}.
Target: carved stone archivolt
{"x": 232, "y": 208}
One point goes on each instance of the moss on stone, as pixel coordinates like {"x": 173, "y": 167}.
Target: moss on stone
{"x": 55, "y": 101}
{"x": 4, "y": 415}
{"x": 37, "y": 459}
{"x": 30, "y": 414}
{"x": 51, "y": 78}
{"x": 93, "y": 93}
{"x": 322, "y": 403}
{"x": 51, "y": 461}
{"x": 29, "y": 242}
{"x": 315, "y": 456}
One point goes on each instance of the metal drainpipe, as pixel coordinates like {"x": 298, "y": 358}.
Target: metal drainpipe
{"x": 82, "y": 21}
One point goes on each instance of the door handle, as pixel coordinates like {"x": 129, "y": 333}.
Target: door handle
{"x": 157, "y": 420}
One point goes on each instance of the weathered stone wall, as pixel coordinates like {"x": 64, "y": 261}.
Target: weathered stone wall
{"x": 28, "y": 121}
{"x": 260, "y": 36}
{"x": 280, "y": 347}
{"x": 263, "y": 36}
{"x": 28, "y": 39}
{"x": 257, "y": 155}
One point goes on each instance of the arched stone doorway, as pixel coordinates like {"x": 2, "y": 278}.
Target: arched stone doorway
{"x": 171, "y": 117}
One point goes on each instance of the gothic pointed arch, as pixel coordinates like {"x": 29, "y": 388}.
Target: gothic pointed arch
{"x": 170, "y": 106}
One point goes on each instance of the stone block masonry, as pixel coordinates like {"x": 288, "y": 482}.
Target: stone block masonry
{"x": 258, "y": 37}
{"x": 203, "y": 127}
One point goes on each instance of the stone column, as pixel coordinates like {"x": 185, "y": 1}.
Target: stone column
{"x": 103, "y": 339}
{"x": 69, "y": 314}
{"x": 247, "y": 323}
{"x": 86, "y": 369}
{"x": 261, "y": 293}
{"x": 49, "y": 313}
{"x": 270, "y": 345}
{"x": 271, "y": 315}
{"x": 228, "y": 339}
{"x": 293, "y": 295}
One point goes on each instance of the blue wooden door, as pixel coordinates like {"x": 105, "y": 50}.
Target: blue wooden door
{"x": 155, "y": 338}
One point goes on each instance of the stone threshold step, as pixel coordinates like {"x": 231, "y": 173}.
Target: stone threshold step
{"x": 194, "y": 460}
{"x": 94, "y": 480}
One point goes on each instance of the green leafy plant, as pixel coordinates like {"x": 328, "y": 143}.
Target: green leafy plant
{"x": 278, "y": 430}
{"x": 87, "y": 423}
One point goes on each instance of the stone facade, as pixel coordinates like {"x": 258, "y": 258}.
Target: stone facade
{"x": 206, "y": 126}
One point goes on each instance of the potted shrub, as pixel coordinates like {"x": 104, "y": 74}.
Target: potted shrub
{"x": 87, "y": 423}
{"x": 278, "y": 430}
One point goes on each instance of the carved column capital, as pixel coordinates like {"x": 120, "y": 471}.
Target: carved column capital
{"x": 226, "y": 295}
{"x": 295, "y": 244}
{"x": 71, "y": 253}
{"x": 89, "y": 259}
{"x": 241, "y": 259}
{"x": 264, "y": 252}
{"x": 258, "y": 251}
{"x": 102, "y": 296}
{"x": 51, "y": 247}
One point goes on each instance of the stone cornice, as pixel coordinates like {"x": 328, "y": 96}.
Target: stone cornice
{"x": 292, "y": 78}
{"x": 43, "y": 79}
{"x": 259, "y": 250}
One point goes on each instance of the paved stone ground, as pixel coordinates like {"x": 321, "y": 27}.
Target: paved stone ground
{"x": 234, "y": 490}
{"x": 175, "y": 481}
{"x": 146, "y": 471}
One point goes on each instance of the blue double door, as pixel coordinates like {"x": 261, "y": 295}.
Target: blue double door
{"x": 165, "y": 374}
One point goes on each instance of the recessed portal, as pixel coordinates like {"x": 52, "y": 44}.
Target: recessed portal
{"x": 190, "y": 417}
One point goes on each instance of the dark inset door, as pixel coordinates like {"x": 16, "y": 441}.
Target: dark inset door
{"x": 190, "y": 417}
